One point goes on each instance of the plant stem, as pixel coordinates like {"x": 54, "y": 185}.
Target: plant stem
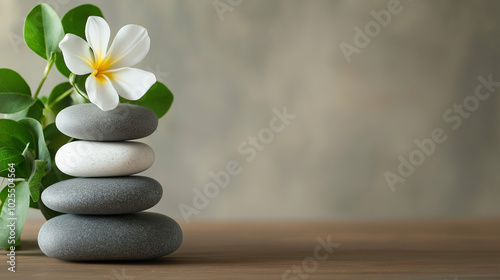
{"x": 47, "y": 107}
{"x": 50, "y": 63}
{"x": 61, "y": 97}
{"x": 72, "y": 82}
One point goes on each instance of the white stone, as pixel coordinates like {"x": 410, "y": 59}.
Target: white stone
{"x": 104, "y": 159}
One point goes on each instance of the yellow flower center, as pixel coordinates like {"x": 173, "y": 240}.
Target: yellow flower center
{"x": 100, "y": 66}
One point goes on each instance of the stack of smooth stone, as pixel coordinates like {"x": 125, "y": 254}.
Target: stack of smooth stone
{"x": 104, "y": 220}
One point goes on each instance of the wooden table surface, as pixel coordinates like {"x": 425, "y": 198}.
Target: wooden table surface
{"x": 460, "y": 249}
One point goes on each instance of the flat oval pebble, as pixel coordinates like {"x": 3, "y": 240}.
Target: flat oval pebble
{"x": 104, "y": 159}
{"x": 125, "y": 122}
{"x": 101, "y": 196}
{"x": 135, "y": 236}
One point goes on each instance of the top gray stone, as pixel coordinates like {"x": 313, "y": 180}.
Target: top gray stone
{"x": 88, "y": 122}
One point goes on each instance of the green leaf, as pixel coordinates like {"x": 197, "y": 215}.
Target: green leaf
{"x": 43, "y": 30}
{"x": 34, "y": 204}
{"x": 23, "y": 169}
{"x": 57, "y": 104}
{"x": 35, "y": 111}
{"x": 28, "y": 155}
{"x": 3, "y": 196}
{"x": 15, "y": 135}
{"x": 23, "y": 166}
{"x": 61, "y": 65}
{"x": 42, "y": 152}
{"x": 7, "y": 156}
{"x": 51, "y": 132}
{"x": 158, "y": 98}
{"x": 20, "y": 199}
{"x": 74, "y": 20}
{"x": 78, "y": 99}
{"x": 15, "y": 94}
{"x": 54, "y": 138}
{"x": 80, "y": 82}
{"x": 36, "y": 179}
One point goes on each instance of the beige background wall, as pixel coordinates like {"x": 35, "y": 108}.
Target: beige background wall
{"x": 352, "y": 121}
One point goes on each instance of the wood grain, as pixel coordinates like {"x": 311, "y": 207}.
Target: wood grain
{"x": 461, "y": 249}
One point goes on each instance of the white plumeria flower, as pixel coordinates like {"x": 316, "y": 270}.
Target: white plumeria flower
{"x": 110, "y": 70}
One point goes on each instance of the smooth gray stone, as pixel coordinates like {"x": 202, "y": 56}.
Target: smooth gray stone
{"x": 88, "y": 122}
{"x": 102, "y": 196}
{"x": 135, "y": 236}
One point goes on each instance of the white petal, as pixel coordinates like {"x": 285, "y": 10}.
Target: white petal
{"x": 97, "y": 33}
{"x": 101, "y": 92}
{"x": 129, "y": 47}
{"x": 77, "y": 55}
{"x": 131, "y": 83}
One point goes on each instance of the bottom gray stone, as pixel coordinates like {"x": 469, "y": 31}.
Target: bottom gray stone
{"x": 135, "y": 236}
